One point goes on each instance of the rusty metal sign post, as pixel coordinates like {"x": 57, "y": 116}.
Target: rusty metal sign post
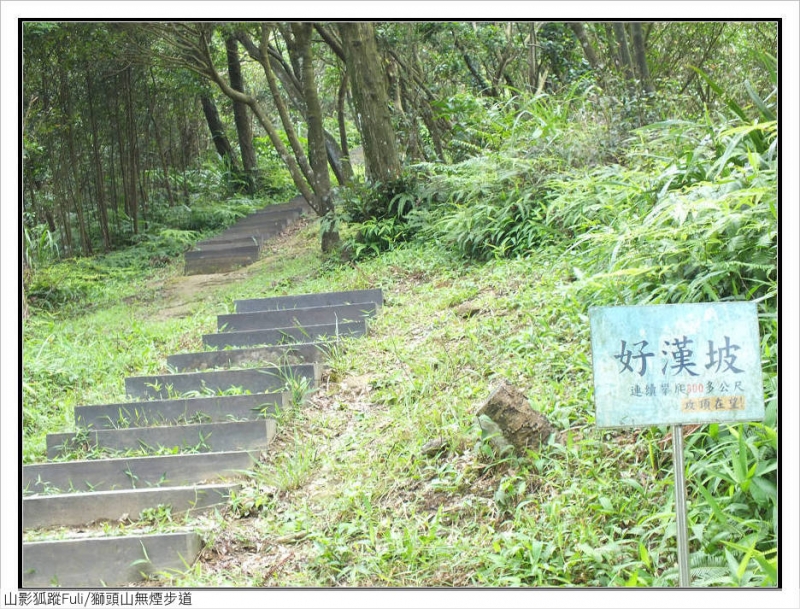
{"x": 673, "y": 365}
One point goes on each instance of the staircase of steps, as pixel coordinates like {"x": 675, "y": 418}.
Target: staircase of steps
{"x": 211, "y": 440}
{"x": 241, "y": 244}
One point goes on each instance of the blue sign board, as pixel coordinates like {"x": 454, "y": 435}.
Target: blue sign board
{"x": 676, "y": 364}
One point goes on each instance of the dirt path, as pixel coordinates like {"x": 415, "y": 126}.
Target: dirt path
{"x": 178, "y": 294}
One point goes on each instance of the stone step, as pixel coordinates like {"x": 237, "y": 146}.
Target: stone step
{"x": 252, "y": 380}
{"x": 134, "y": 472}
{"x": 186, "y": 410}
{"x": 290, "y": 214}
{"x": 233, "y": 245}
{"x": 209, "y": 266}
{"x": 309, "y": 300}
{"x": 297, "y": 201}
{"x": 258, "y": 226}
{"x": 76, "y": 509}
{"x": 286, "y": 215}
{"x": 233, "y": 242}
{"x": 235, "y": 236}
{"x": 286, "y": 336}
{"x": 224, "y": 251}
{"x": 265, "y": 320}
{"x": 203, "y": 437}
{"x": 262, "y": 223}
{"x": 276, "y": 355}
{"x": 106, "y": 561}
{"x": 288, "y": 207}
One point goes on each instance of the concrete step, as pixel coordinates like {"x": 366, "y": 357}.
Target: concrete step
{"x": 279, "y": 355}
{"x": 107, "y": 561}
{"x": 209, "y": 266}
{"x": 252, "y": 380}
{"x": 309, "y": 300}
{"x": 233, "y": 242}
{"x": 252, "y": 250}
{"x": 258, "y": 226}
{"x": 265, "y": 320}
{"x": 297, "y": 201}
{"x": 76, "y": 509}
{"x": 279, "y": 210}
{"x": 288, "y": 216}
{"x": 185, "y": 410}
{"x": 269, "y": 214}
{"x": 286, "y": 336}
{"x": 204, "y": 437}
{"x": 134, "y": 472}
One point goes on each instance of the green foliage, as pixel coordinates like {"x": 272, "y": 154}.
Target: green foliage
{"x": 380, "y": 212}
{"x": 378, "y": 200}
{"x": 274, "y": 179}
{"x": 72, "y": 283}
{"x": 764, "y": 107}
{"x": 39, "y": 246}
{"x": 498, "y": 203}
{"x": 563, "y": 53}
{"x": 494, "y": 207}
{"x": 208, "y": 215}
{"x": 531, "y": 126}
{"x": 705, "y": 227}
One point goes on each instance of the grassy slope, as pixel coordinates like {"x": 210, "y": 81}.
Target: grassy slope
{"x": 346, "y": 497}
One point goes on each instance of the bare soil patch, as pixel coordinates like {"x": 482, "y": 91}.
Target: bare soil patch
{"x": 179, "y": 294}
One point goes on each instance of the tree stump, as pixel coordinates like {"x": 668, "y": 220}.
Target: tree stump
{"x": 512, "y": 415}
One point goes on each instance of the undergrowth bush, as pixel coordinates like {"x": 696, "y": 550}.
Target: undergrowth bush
{"x": 380, "y": 211}
{"x": 489, "y": 206}
{"x": 208, "y": 215}
{"x": 705, "y": 230}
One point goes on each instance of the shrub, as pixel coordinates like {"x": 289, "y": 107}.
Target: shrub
{"x": 380, "y": 211}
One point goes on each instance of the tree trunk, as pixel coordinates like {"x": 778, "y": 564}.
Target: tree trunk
{"x": 26, "y": 277}
{"x": 86, "y": 245}
{"x": 371, "y": 101}
{"x": 298, "y": 177}
{"x": 131, "y": 195}
{"x": 218, "y": 136}
{"x": 241, "y": 118}
{"x": 641, "y": 57}
{"x": 274, "y": 66}
{"x": 624, "y": 53}
{"x": 533, "y": 66}
{"x": 159, "y": 141}
{"x": 184, "y": 156}
{"x": 286, "y": 120}
{"x": 484, "y": 88}
{"x": 59, "y": 185}
{"x": 583, "y": 39}
{"x": 98, "y": 168}
{"x": 347, "y": 167}
{"x": 116, "y": 156}
{"x": 316, "y": 138}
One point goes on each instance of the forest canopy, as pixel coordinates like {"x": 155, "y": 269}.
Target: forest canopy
{"x": 135, "y": 131}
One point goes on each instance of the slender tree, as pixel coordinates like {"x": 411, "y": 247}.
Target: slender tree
{"x": 641, "y": 57}
{"x": 218, "y": 136}
{"x": 316, "y": 137}
{"x": 583, "y": 39}
{"x": 243, "y": 130}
